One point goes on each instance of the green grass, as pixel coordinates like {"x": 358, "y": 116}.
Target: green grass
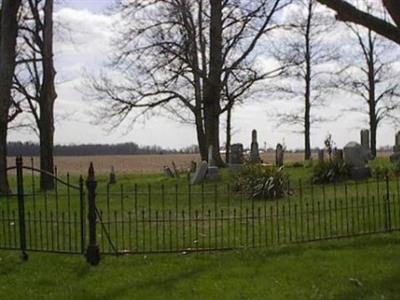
{"x": 363, "y": 268}
{"x": 161, "y": 222}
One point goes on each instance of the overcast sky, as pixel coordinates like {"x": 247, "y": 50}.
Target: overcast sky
{"x": 88, "y": 50}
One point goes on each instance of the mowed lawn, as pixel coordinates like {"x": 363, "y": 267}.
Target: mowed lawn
{"x": 361, "y": 268}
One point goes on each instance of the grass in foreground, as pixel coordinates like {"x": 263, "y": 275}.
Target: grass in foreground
{"x": 363, "y": 268}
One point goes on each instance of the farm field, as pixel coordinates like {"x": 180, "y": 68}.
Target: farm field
{"x": 363, "y": 268}
{"x": 141, "y": 164}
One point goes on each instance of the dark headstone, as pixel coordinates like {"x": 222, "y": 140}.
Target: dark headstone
{"x": 236, "y": 154}
{"x": 396, "y": 147}
{"x": 357, "y": 157}
{"x": 365, "y": 139}
{"x": 338, "y": 154}
{"x": 279, "y": 154}
{"x": 254, "y": 151}
{"x": 395, "y": 157}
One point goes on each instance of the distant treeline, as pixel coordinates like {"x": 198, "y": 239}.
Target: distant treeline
{"x": 32, "y": 149}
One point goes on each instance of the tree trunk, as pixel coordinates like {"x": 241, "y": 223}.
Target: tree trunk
{"x": 373, "y": 120}
{"x": 48, "y": 96}
{"x": 213, "y": 87}
{"x": 228, "y": 134}
{"x": 307, "y": 94}
{"x": 201, "y": 138}
{"x": 8, "y": 40}
{"x": 373, "y": 130}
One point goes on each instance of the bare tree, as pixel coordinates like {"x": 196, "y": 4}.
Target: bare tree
{"x": 35, "y": 80}
{"x": 350, "y": 13}
{"x": 8, "y": 40}
{"x": 178, "y": 57}
{"x": 371, "y": 76}
{"x": 303, "y": 51}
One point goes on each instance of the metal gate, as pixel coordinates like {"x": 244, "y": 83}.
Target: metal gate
{"x": 42, "y": 221}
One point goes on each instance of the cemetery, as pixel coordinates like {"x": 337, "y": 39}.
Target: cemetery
{"x": 249, "y": 204}
{"x": 194, "y": 211}
{"x": 199, "y": 149}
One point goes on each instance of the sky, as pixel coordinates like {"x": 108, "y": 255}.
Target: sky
{"x": 87, "y": 51}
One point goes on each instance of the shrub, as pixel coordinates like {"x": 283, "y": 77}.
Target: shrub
{"x": 396, "y": 168}
{"x": 380, "y": 168}
{"x": 261, "y": 182}
{"x": 330, "y": 171}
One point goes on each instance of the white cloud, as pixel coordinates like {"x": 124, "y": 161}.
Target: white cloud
{"x": 87, "y": 45}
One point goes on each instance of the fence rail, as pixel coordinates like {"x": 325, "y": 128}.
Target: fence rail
{"x": 117, "y": 219}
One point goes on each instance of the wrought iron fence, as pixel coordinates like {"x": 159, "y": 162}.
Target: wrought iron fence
{"x": 206, "y": 218}
{"x": 45, "y": 221}
{"x": 120, "y": 219}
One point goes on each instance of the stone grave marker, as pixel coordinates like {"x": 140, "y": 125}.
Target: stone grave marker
{"x": 357, "y": 157}
{"x": 365, "y": 139}
{"x": 200, "y": 174}
{"x": 395, "y": 157}
{"x": 338, "y": 154}
{"x": 236, "y": 154}
{"x": 212, "y": 171}
{"x": 254, "y": 151}
{"x": 279, "y": 154}
{"x": 236, "y": 158}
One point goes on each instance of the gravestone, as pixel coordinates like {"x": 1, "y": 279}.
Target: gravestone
{"x": 200, "y": 174}
{"x": 396, "y": 147}
{"x": 279, "y": 154}
{"x": 338, "y": 154}
{"x": 395, "y": 157}
{"x": 236, "y": 158}
{"x": 213, "y": 171}
{"x": 357, "y": 157}
{"x": 321, "y": 155}
{"x": 236, "y": 154}
{"x": 365, "y": 138}
{"x": 112, "y": 178}
{"x": 254, "y": 151}
{"x": 167, "y": 172}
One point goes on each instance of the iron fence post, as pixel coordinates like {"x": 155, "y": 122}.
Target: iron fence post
{"x": 388, "y": 222}
{"x": 82, "y": 214}
{"x": 21, "y": 207}
{"x": 93, "y": 251}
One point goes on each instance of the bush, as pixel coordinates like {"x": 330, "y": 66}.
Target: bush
{"x": 396, "y": 168}
{"x": 330, "y": 171}
{"x": 261, "y": 182}
{"x": 382, "y": 167}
